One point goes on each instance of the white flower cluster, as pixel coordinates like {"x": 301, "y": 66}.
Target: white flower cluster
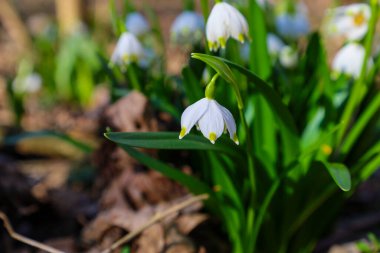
{"x": 351, "y": 22}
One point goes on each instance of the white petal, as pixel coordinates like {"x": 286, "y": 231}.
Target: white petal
{"x": 342, "y": 21}
{"x": 349, "y": 60}
{"x": 288, "y": 57}
{"x": 192, "y": 114}
{"x": 357, "y": 33}
{"x": 217, "y": 24}
{"x": 127, "y": 49}
{"x": 237, "y": 23}
{"x": 212, "y": 123}
{"x": 293, "y": 25}
{"x": 229, "y": 122}
{"x": 187, "y": 28}
{"x": 274, "y": 43}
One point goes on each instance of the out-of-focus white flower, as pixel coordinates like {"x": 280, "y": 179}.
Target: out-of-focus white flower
{"x": 350, "y": 21}
{"x": 225, "y": 21}
{"x": 288, "y": 57}
{"x": 275, "y": 44}
{"x": 293, "y": 25}
{"x": 136, "y": 24}
{"x": 128, "y": 49}
{"x": 349, "y": 60}
{"x": 27, "y": 84}
{"x": 187, "y": 28}
{"x": 210, "y": 117}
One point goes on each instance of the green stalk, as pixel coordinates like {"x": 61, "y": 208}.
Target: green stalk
{"x": 359, "y": 89}
{"x": 357, "y": 129}
{"x": 188, "y": 5}
{"x": 205, "y": 9}
{"x": 132, "y": 77}
{"x": 252, "y": 180}
{"x": 263, "y": 211}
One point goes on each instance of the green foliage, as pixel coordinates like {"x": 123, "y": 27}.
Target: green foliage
{"x": 308, "y": 138}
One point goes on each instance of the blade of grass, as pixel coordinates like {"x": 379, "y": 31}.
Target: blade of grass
{"x": 169, "y": 140}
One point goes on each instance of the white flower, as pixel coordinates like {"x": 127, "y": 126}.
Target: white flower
{"x": 136, "y": 24}
{"x": 187, "y": 28}
{"x": 211, "y": 118}
{"x": 349, "y": 60}
{"x": 274, "y": 44}
{"x": 128, "y": 49}
{"x": 28, "y": 84}
{"x": 288, "y": 57}
{"x": 293, "y": 25}
{"x": 350, "y": 21}
{"x": 225, "y": 21}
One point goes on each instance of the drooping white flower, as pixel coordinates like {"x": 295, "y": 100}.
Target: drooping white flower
{"x": 293, "y": 25}
{"x": 225, "y": 21}
{"x": 27, "y": 84}
{"x": 275, "y": 44}
{"x": 211, "y": 118}
{"x": 349, "y": 60}
{"x": 128, "y": 49}
{"x": 187, "y": 28}
{"x": 136, "y": 24}
{"x": 288, "y": 57}
{"x": 350, "y": 21}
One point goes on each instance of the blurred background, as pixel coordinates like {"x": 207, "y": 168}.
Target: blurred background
{"x": 60, "y": 181}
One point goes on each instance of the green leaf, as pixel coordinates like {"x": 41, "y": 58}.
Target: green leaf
{"x": 219, "y": 66}
{"x": 340, "y": 174}
{"x": 193, "y": 89}
{"x": 287, "y": 127}
{"x": 169, "y": 140}
{"x": 258, "y": 54}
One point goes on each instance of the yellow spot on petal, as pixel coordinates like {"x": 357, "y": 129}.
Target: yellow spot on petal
{"x": 235, "y": 139}
{"x": 326, "y": 149}
{"x": 212, "y": 137}
{"x": 210, "y": 45}
{"x": 182, "y": 133}
{"x": 222, "y": 42}
{"x": 359, "y": 18}
{"x": 126, "y": 58}
{"x": 241, "y": 38}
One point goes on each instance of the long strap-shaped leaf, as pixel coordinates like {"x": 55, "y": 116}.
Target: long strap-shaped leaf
{"x": 169, "y": 140}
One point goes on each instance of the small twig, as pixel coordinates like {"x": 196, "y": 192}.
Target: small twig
{"x": 155, "y": 218}
{"x": 24, "y": 239}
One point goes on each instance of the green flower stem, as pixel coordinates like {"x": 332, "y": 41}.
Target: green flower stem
{"x": 357, "y": 129}
{"x": 188, "y": 5}
{"x": 117, "y": 24}
{"x": 359, "y": 89}
{"x": 132, "y": 77}
{"x": 210, "y": 88}
{"x": 250, "y": 219}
